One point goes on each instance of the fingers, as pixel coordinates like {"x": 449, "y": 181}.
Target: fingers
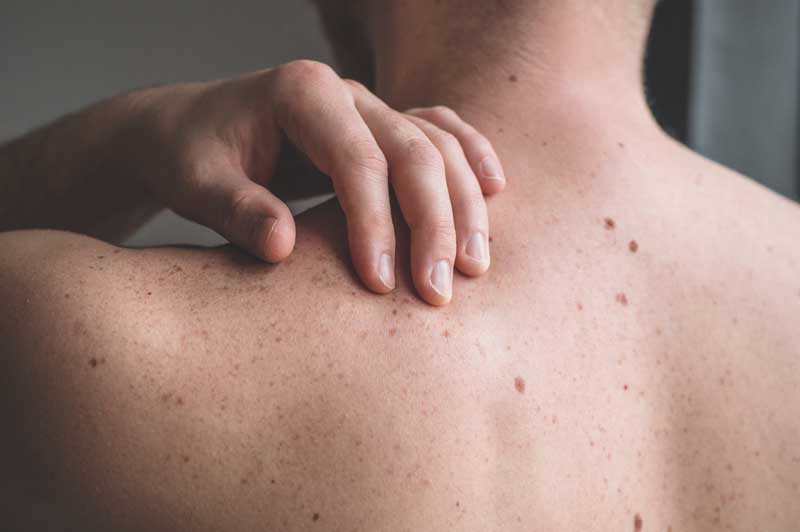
{"x": 242, "y": 211}
{"x": 479, "y": 151}
{"x": 317, "y": 113}
{"x": 417, "y": 174}
{"x": 466, "y": 198}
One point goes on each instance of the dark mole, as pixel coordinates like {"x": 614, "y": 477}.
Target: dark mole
{"x": 512, "y": 78}
{"x": 149, "y": 293}
{"x": 519, "y": 384}
{"x": 315, "y": 517}
{"x": 633, "y": 246}
{"x": 610, "y": 224}
{"x": 637, "y": 522}
{"x": 622, "y": 299}
{"x": 93, "y": 362}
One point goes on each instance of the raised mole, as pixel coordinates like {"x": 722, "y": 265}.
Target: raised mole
{"x": 610, "y": 223}
{"x": 519, "y": 384}
{"x": 622, "y": 299}
{"x": 637, "y": 522}
{"x": 633, "y": 246}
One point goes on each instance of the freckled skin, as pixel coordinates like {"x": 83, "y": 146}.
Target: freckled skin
{"x": 383, "y": 433}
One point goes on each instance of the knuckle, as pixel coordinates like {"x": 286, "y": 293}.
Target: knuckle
{"x": 355, "y": 86}
{"x": 362, "y": 156}
{"x": 236, "y": 205}
{"x": 421, "y": 151}
{"x": 306, "y": 70}
{"x": 442, "y": 113}
{"x": 437, "y": 224}
{"x": 449, "y": 143}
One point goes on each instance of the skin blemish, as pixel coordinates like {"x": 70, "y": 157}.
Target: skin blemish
{"x": 179, "y": 401}
{"x": 116, "y": 251}
{"x": 622, "y": 299}
{"x": 544, "y": 144}
{"x": 101, "y": 257}
{"x": 621, "y": 144}
{"x": 579, "y": 306}
{"x": 512, "y": 78}
{"x": 446, "y": 333}
{"x": 394, "y": 312}
{"x": 625, "y": 387}
{"x": 66, "y": 296}
{"x": 637, "y": 523}
{"x": 93, "y": 362}
{"x": 315, "y": 517}
{"x": 392, "y": 331}
{"x": 519, "y": 384}
{"x": 609, "y": 224}
{"x": 491, "y": 239}
{"x": 278, "y": 339}
{"x": 185, "y": 459}
{"x": 633, "y": 246}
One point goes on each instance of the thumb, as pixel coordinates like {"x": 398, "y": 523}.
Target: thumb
{"x": 247, "y": 214}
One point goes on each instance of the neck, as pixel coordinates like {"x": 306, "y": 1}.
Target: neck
{"x": 547, "y": 57}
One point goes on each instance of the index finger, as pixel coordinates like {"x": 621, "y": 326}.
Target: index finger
{"x": 317, "y": 113}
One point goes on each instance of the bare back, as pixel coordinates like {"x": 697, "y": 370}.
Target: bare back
{"x": 630, "y": 362}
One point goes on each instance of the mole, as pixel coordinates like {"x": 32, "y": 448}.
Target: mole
{"x": 610, "y": 224}
{"x": 625, "y": 387}
{"x": 93, "y": 362}
{"x": 392, "y": 331}
{"x": 394, "y": 312}
{"x": 620, "y": 144}
{"x": 512, "y": 78}
{"x": 491, "y": 239}
{"x": 315, "y": 517}
{"x": 637, "y": 522}
{"x": 519, "y": 384}
{"x": 101, "y": 257}
{"x": 622, "y": 299}
{"x": 446, "y": 333}
{"x": 633, "y": 246}
{"x": 579, "y": 306}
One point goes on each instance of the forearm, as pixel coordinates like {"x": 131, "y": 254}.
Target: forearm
{"x": 80, "y": 173}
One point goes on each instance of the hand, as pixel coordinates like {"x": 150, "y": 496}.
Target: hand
{"x": 223, "y": 140}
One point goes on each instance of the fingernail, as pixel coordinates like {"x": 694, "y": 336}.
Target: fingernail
{"x": 490, "y": 168}
{"x": 386, "y": 270}
{"x": 442, "y": 279}
{"x": 477, "y": 249}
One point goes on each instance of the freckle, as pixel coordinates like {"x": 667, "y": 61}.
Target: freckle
{"x": 116, "y": 251}
{"x": 633, "y": 246}
{"x": 491, "y": 239}
{"x": 394, "y": 312}
{"x": 315, "y": 517}
{"x": 446, "y": 333}
{"x": 277, "y": 339}
{"x": 729, "y": 467}
{"x": 272, "y": 481}
{"x": 622, "y": 299}
{"x": 625, "y": 387}
{"x": 66, "y": 296}
{"x": 101, "y": 257}
{"x": 178, "y": 268}
{"x": 620, "y": 144}
{"x": 637, "y": 522}
{"x": 579, "y": 306}
{"x": 610, "y": 223}
{"x": 185, "y": 459}
{"x": 408, "y": 314}
{"x": 244, "y": 481}
{"x": 149, "y": 293}
{"x": 512, "y": 78}
{"x": 392, "y": 331}
{"x": 179, "y": 401}
{"x": 658, "y": 331}
{"x": 519, "y": 384}
{"x": 555, "y": 420}
{"x": 93, "y": 362}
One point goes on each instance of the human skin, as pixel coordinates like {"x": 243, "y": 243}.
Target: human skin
{"x": 585, "y": 382}
{"x": 210, "y": 151}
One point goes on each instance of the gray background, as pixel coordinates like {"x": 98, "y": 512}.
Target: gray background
{"x": 56, "y": 57}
